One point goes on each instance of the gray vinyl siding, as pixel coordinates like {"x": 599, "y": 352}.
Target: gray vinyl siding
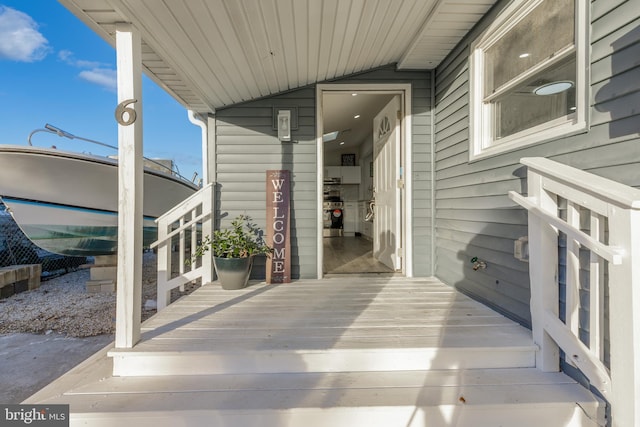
{"x": 474, "y": 216}
{"x": 246, "y": 146}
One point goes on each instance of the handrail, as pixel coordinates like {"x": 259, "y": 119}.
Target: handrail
{"x": 180, "y": 229}
{"x": 613, "y": 255}
{"x": 612, "y": 238}
{"x": 187, "y": 203}
{"x": 188, "y": 221}
{"x": 606, "y": 189}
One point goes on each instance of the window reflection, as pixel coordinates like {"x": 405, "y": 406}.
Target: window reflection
{"x": 540, "y": 35}
{"x": 521, "y": 109}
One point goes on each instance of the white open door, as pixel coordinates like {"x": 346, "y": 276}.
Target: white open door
{"x": 387, "y": 237}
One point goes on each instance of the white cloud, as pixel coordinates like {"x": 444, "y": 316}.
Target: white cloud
{"x": 96, "y": 72}
{"x": 20, "y": 39}
{"x": 101, "y": 76}
{"x": 65, "y": 55}
{"x": 68, "y": 57}
{"x": 89, "y": 64}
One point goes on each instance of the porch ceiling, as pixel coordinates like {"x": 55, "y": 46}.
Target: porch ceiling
{"x": 212, "y": 53}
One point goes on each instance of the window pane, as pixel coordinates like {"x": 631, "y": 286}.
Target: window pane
{"x": 521, "y": 109}
{"x": 543, "y": 32}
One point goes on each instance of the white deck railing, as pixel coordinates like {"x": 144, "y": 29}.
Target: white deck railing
{"x": 610, "y": 211}
{"x": 179, "y": 231}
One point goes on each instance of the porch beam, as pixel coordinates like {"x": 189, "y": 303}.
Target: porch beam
{"x": 130, "y": 189}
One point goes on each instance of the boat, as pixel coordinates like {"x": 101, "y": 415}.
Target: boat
{"x": 67, "y": 202}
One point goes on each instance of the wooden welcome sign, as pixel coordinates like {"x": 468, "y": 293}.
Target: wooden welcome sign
{"x": 278, "y": 226}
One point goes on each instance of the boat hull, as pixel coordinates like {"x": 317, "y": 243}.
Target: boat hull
{"x": 72, "y": 231}
{"x": 67, "y": 203}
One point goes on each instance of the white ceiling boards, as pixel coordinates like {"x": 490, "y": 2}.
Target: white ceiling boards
{"x": 212, "y": 53}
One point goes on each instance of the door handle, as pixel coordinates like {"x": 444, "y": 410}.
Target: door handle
{"x": 369, "y": 216}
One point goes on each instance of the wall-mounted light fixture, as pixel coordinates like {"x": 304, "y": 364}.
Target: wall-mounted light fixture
{"x": 284, "y": 125}
{"x": 285, "y": 122}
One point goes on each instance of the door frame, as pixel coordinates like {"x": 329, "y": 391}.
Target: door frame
{"x": 404, "y": 90}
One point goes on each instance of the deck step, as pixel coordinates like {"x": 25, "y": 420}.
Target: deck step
{"x": 494, "y": 397}
{"x": 361, "y": 352}
{"x": 333, "y": 325}
{"x": 137, "y": 363}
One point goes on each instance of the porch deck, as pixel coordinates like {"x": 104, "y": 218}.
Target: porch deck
{"x": 340, "y": 351}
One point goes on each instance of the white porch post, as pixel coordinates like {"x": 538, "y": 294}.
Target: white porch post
{"x": 624, "y": 317}
{"x": 130, "y": 175}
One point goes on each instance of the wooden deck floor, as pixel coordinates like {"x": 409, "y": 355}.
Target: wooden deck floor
{"x": 328, "y": 325}
{"x": 311, "y": 352}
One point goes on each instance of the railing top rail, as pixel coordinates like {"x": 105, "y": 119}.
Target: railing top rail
{"x": 613, "y": 255}
{"x": 181, "y": 205}
{"x": 602, "y": 188}
{"x": 185, "y": 226}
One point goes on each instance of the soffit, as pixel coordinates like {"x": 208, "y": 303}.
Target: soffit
{"x": 209, "y": 54}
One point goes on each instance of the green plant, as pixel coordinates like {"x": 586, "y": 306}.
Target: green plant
{"x": 244, "y": 239}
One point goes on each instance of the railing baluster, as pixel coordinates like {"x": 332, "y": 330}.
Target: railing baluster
{"x": 164, "y": 263}
{"x": 596, "y": 290}
{"x": 194, "y": 238}
{"x": 182, "y": 246}
{"x": 573, "y": 272}
{"x": 181, "y": 253}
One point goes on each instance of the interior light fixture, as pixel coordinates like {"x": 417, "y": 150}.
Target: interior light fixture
{"x": 524, "y": 55}
{"x": 342, "y": 143}
{"x": 553, "y": 87}
{"x": 331, "y": 136}
{"x": 357, "y": 116}
{"x": 354, "y": 94}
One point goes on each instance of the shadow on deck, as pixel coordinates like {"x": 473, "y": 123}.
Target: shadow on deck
{"x": 340, "y": 351}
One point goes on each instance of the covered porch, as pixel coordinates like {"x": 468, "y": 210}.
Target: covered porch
{"x": 400, "y": 351}
{"x": 340, "y": 351}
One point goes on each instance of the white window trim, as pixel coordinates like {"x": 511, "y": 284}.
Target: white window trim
{"x": 480, "y": 115}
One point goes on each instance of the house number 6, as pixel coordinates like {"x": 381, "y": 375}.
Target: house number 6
{"x": 126, "y": 115}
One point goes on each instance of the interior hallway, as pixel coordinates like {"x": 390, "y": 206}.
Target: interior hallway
{"x": 351, "y": 255}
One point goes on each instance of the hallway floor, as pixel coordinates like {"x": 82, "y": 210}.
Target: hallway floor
{"x": 351, "y": 255}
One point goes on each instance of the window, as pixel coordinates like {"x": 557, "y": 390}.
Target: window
{"x": 529, "y": 76}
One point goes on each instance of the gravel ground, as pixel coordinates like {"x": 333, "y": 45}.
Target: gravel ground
{"x": 62, "y": 305}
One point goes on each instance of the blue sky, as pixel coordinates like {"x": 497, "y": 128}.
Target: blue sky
{"x": 54, "y": 69}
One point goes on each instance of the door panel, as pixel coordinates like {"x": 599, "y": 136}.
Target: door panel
{"x": 386, "y": 175}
